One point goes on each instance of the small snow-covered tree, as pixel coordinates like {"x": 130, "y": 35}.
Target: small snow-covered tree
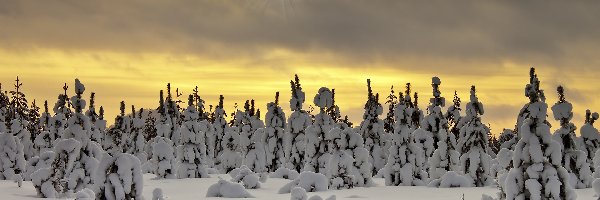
{"x": 219, "y": 125}
{"x": 43, "y": 141}
{"x": 246, "y": 176}
{"x": 79, "y": 128}
{"x": 574, "y": 160}
{"x": 119, "y": 177}
{"x": 590, "y": 136}
{"x": 389, "y": 122}
{"x": 19, "y": 120}
{"x": 538, "y": 171}
{"x": 317, "y": 155}
{"x": 508, "y": 139}
{"x": 230, "y": 158}
{"x": 371, "y": 128}
{"x": 405, "y": 164}
{"x": 296, "y": 128}
{"x": 164, "y": 123}
{"x": 501, "y": 165}
{"x": 256, "y": 158}
{"x": 55, "y": 181}
{"x": 44, "y": 160}
{"x": 163, "y": 162}
{"x": 340, "y": 164}
{"x": 275, "y": 121}
{"x": 247, "y": 122}
{"x": 12, "y": 159}
{"x": 58, "y": 122}
{"x": 475, "y": 161}
{"x": 136, "y": 141}
{"x": 445, "y": 158}
{"x": 362, "y": 168}
{"x": 117, "y": 136}
{"x": 96, "y": 122}
{"x": 453, "y": 116}
{"x": 191, "y": 155}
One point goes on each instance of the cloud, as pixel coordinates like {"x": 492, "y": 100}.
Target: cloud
{"x": 553, "y": 33}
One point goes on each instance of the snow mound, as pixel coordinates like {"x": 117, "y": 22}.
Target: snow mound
{"x": 310, "y": 181}
{"x": 249, "y": 179}
{"x": 452, "y": 179}
{"x": 298, "y": 193}
{"x": 85, "y": 194}
{"x": 228, "y": 189}
{"x": 157, "y": 194}
{"x": 285, "y": 173}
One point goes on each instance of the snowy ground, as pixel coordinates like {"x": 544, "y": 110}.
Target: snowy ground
{"x": 196, "y": 189}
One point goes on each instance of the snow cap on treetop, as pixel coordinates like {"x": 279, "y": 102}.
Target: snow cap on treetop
{"x": 323, "y": 99}
{"x": 436, "y": 81}
{"x": 79, "y": 87}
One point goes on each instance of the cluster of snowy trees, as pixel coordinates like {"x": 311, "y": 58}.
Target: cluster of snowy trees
{"x": 72, "y": 152}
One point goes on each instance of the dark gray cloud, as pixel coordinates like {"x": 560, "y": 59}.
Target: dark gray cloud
{"x": 548, "y": 33}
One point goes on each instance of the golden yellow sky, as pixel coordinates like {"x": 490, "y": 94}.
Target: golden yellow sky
{"x": 251, "y": 49}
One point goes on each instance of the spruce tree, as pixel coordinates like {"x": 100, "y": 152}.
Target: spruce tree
{"x": 275, "y": 130}
{"x": 590, "y": 136}
{"x": 475, "y": 161}
{"x": 371, "y": 128}
{"x": 317, "y": 155}
{"x": 191, "y": 155}
{"x": 574, "y": 160}
{"x": 538, "y": 171}
{"x": 298, "y": 121}
{"x": 219, "y": 127}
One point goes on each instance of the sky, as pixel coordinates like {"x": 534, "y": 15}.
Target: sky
{"x": 249, "y": 49}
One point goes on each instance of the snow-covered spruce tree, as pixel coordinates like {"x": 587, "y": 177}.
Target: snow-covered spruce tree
{"x": 174, "y": 115}
{"x": 58, "y": 122}
{"x": 119, "y": 177}
{"x": 18, "y": 110}
{"x": 43, "y": 141}
{"x": 79, "y": 128}
{"x": 406, "y": 162}
{"x": 55, "y": 181}
{"x": 163, "y": 122}
{"x": 445, "y": 158}
{"x": 453, "y": 116}
{"x": 275, "y": 121}
{"x": 95, "y": 121}
{"x": 537, "y": 172}
{"x": 117, "y": 136}
{"x": 136, "y": 141}
{"x": 500, "y": 168}
{"x": 317, "y": 155}
{"x": 163, "y": 163}
{"x": 247, "y": 122}
{"x": 34, "y": 127}
{"x": 590, "y": 136}
{"x": 475, "y": 161}
{"x": 12, "y": 159}
{"x": 256, "y": 155}
{"x": 219, "y": 125}
{"x": 230, "y": 158}
{"x": 371, "y": 128}
{"x": 340, "y": 164}
{"x": 205, "y": 126}
{"x": 574, "y": 160}
{"x": 362, "y": 169}
{"x": 508, "y": 139}
{"x": 390, "y": 121}
{"x": 295, "y": 132}
{"x": 4, "y": 100}
{"x": 524, "y": 112}
{"x": 191, "y": 155}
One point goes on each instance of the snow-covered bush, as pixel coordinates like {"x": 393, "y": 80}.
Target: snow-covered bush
{"x": 249, "y": 179}
{"x": 317, "y": 154}
{"x": 574, "y": 160}
{"x": 44, "y": 160}
{"x": 340, "y": 164}
{"x": 227, "y": 189}
{"x": 310, "y": 181}
{"x": 157, "y": 194}
{"x": 500, "y": 168}
{"x": 191, "y": 155}
{"x": 163, "y": 162}
{"x": 298, "y": 193}
{"x": 475, "y": 161}
{"x": 537, "y": 172}
{"x": 119, "y": 177}
{"x": 285, "y": 173}
{"x": 12, "y": 159}
{"x": 230, "y": 158}
{"x": 371, "y": 128}
{"x": 275, "y": 121}
{"x": 56, "y": 180}
{"x": 256, "y": 158}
